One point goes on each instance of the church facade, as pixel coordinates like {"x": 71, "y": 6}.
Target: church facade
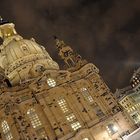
{"x": 38, "y": 101}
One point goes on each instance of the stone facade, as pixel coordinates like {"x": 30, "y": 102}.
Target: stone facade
{"x": 38, "y": 101}
{"x": 129, "y": 98}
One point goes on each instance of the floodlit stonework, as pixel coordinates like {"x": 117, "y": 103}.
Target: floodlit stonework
{"x": 129, "y": 98}
{"x": 38, "y": 101}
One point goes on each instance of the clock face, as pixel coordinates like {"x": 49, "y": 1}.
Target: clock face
{"x": 67, "y": 53}
{"x": 51, "y": 82}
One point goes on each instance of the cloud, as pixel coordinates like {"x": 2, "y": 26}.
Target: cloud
{"x": 104, "y": 32}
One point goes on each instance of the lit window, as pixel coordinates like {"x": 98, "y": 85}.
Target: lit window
{"x": 35, "y": 121}
{"x": 43, "y": 135}
{"x": 112, "y": 129}
{"x": 75, "y": 125}
{"x": 6, "y": 130}
{"x": 63, "y": 105}
{"x": 86, "y": 94}
{"x": 133, "y": 85}
{"x": 70, "y": 117}
{"x": 41, "y": 132}
{"x": 133, "y": 108}
{"x": 51, "y": 82}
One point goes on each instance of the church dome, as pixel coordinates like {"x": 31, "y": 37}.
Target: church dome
{"x": 22, "y": 59}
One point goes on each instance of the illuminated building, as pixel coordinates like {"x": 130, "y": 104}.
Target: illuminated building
{"x": 39, "y": 101}
{"x": 135, "y": 80}
{"x": 129, "y": 98}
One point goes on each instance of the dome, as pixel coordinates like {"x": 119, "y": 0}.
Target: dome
{"x": 23, "y": 59}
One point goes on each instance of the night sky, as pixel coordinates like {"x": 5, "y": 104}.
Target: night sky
{"x": 105, "y": 32}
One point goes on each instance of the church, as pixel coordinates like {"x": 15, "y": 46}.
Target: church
{"x": 40, "y": 101}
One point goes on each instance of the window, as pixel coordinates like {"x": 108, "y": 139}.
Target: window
{"x": 6, "y": 130}
{"x": 98, "y": 111}
{"x": 86, "y": 95}
{"x": 75, "y": 125}
{"x": 63, "y": 105}
{"x": 112, "y": 129}
{"x": 24, "y": 48}
{"x": 70, "y": 117}
{"x": 42, "y": 133}
{"x": 104, "y": 94}
{"x": 110, "y": 103}
{"x": 35, "y": 121}
{"x": 107, "y": 98}
{"x": 136, "y": 117}
{"x": 51, "y": 82}
{"x": 96, "y": 85}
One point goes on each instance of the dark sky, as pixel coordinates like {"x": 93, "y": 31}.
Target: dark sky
{"x": 105, "y": 32}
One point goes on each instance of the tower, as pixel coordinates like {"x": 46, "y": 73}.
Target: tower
{"x": 72, "y": 60}
{"x": 44, "y": 102}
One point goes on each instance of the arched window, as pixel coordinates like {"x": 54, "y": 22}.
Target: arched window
{"x": 6, "y": 130}
{"x": 51, "y": 82}
{"x": 76, "y": 125}
{"x": 86, "y": 94}
{"x": 71, "y": 118}
{"x": 35, "y": 121}
{"x": 42, "y": 133}
{"x": 63, "y": 105}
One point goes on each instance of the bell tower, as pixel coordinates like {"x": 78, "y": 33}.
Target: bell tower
{"x": 71, "y": 58}
{"x": 39, "y": 101}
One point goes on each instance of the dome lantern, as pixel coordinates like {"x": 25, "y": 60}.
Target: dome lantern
{"x": 6, "y": 29}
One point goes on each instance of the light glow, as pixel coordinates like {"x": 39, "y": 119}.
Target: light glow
{"x": 51, "y": 82}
